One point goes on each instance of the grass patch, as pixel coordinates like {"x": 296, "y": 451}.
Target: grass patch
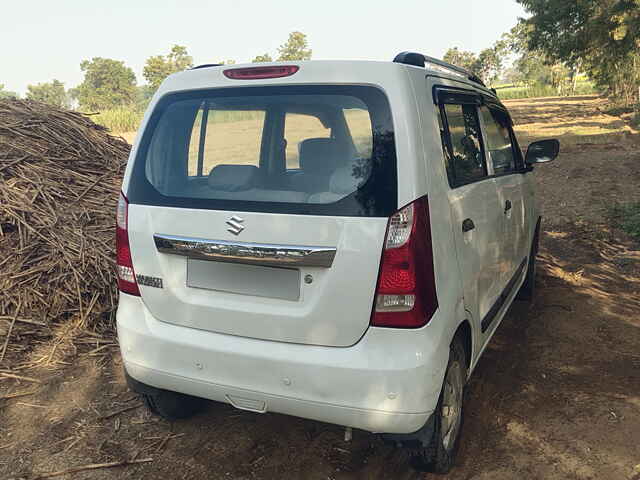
{"x": 512, "y": 91}
{"x": 627, "y": 217}
{"x": 618, "y": 110}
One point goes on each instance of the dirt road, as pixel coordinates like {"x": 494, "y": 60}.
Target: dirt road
{"x": 556, "y": 395}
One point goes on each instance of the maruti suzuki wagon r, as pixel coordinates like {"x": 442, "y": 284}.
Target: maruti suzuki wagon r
{"x": 334, "y": 240}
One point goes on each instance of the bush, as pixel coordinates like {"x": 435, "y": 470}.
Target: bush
{"x": 119, "y": 120}
{"x": 627, "y": 217}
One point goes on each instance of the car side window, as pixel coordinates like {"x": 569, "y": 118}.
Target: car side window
{"x": 499, "y": 143}
{"x": 464, "y": 156}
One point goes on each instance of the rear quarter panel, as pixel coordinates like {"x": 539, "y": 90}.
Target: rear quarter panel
{"x": 433, "y": 183}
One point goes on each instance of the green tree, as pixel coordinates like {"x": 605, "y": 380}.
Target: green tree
{"x": 531, "y": 67}
{"x": 295, "y": 48}
{"x": 600, "y": 36}
{"x": 52, "y": 93}
{"x": 487, "y": 65}
{"x": 107, "y": 84}
{"x": 262, "y": 58}
{"x": 7, "y": 94}
{"x": 461, "y": 58}
{"x": 159, "y": 67}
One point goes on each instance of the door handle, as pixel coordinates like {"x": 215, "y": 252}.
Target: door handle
{"x": 467, "y": 225}
{"x": 507, "y": 206}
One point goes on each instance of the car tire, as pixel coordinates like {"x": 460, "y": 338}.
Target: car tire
{"x": 173, "y": 405}
{"x": 440, "y": 455}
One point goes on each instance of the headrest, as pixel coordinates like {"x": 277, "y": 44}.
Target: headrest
{"x": 348, "y": 179}
{"x": 320, "y": 155}
{"x": 233, "y": 178}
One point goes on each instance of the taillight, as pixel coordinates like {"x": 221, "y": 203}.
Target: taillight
{"x": 406, "y": 291}
{"x": 257, "y": 73}
{"x": 124, "y": 265}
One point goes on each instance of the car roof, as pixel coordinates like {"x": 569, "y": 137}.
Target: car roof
{"x": 322, "y": 71}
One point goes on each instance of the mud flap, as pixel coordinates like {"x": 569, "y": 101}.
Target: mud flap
{"x": 420, "y": 439}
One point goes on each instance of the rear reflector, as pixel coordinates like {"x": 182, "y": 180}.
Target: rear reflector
{"x": 124, "y": 265}
{"x": 257, "y": 73}
{"x": 406, "y": 291}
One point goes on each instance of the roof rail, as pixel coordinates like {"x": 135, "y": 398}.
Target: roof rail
{"x": 206, "y": 65}
{"x": 420, "y": 60}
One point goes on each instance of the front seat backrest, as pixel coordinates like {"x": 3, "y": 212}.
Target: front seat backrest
{"x": 319, "y": 158}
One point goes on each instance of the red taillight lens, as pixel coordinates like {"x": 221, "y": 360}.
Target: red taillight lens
{"x": 406, "y": 292}
{"x": 257, "y": 73}
{"x": 124, "y": 265}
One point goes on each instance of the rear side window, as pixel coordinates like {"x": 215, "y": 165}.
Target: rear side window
{"x": 219, "y": 135}
{"x": 322, "y": 150}
{"x": 499, "y": 145}
{"x": 358, "y": 124}
{"x": 462, "y": 144}
{"x": 298, "y": 128}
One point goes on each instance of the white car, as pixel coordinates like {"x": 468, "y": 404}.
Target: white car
{"x": 334, "y": 240}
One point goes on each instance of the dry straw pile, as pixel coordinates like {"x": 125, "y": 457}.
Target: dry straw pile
{"x": 59, "y": 178}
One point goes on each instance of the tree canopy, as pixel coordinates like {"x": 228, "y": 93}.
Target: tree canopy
{"x": 107, "y": 84}
{"x": 7, "y": 94}
{"x": 159, "y": 67}
{"x": 295, "y": 48}
{"x": 52, "y": 93}
{"x": 599, "y": 36}
{"x": 487, "y": 65}
{"x": 262, "y": 58}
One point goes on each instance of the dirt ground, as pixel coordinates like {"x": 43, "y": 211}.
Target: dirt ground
{"x": 556, "y": 395}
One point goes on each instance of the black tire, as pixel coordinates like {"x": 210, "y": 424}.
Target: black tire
{"x": 528, "y": 289}
{"x": 440, "y": 455}
{"x": 173, "y": 405}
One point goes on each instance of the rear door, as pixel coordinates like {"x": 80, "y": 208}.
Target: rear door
{"x": 507, "y": 168}
{"x": 474, "y": 203}
{"x": 263, "y": 210}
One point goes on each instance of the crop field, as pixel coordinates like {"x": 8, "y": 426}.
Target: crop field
{"x": 519, "y": 91}
{"x": 556, "y": 395}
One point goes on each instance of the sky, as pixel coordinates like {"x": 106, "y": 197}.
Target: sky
{"x": 43, "y": 39}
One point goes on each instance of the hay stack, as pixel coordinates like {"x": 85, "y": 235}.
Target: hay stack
{"x": 59, "y": 180}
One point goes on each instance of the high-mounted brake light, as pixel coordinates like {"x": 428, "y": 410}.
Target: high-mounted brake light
{"x": 124, "y": 265}
{"x": 406, "y": 291}
{"x": 257, "y": 73}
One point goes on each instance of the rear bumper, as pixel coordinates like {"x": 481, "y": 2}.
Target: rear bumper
{"x": 388, "y": 382}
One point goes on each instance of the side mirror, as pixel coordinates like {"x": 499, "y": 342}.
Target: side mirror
{"x": 542, "y": 151}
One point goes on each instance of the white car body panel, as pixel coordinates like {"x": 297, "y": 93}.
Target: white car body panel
{"x": 318, "y": 317}
{"x": 388, "y": 382}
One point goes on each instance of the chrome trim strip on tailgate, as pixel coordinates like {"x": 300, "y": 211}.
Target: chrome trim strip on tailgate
{"x": 245, "y": 252}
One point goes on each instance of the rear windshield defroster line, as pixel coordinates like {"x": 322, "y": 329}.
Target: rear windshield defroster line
{"x": 162, "y": 173}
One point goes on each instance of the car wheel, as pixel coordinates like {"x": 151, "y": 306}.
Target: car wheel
{"x": 173, "y": 405}
{"x": 439, "y": 456}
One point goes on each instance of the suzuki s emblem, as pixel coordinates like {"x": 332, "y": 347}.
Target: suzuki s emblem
{"x": 235, "y": 225}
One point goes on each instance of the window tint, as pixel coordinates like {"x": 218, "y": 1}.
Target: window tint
{"x": 225, "y": 149}
{"x": 230, "y": 137}
{"x": 498, "y": 140}
{"x": 298, "y": 128}
{"x": 465, "y": 162}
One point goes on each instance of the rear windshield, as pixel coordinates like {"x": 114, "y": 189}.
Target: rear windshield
{"x": 312, "y": 149}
